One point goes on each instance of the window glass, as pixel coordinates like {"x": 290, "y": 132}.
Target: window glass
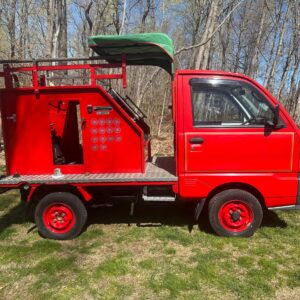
{"x": 228, "y": 102}
{"x": 214, "y": 107}
{"x": 253, "y": 102}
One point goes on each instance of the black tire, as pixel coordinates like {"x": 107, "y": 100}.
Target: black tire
{"x": 69, "y": 212}
{"x": 235, "y": 213}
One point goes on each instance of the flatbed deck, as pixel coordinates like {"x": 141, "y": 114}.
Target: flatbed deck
{"x": 161, "y": 170}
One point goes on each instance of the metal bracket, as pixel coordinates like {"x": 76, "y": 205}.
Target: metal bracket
{"x": 13, "y": 118}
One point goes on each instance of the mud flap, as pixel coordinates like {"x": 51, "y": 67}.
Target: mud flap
{"x": 198, "y": 209}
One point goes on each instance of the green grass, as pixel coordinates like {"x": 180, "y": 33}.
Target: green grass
{"x": 113, "y": 260}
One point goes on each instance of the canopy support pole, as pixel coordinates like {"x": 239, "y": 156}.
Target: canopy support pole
{"x": 124, "y": 71}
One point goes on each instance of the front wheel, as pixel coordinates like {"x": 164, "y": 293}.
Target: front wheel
{"x": 235, "y": 213}
{"x": 60, "y": 216}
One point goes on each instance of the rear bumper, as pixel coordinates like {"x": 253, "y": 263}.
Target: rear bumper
{"x": 288, "y": 207}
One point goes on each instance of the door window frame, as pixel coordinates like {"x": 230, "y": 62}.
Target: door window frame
{"x": 210, "y": 82}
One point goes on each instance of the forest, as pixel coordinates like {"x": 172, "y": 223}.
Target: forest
{"x": 259, "y": 38}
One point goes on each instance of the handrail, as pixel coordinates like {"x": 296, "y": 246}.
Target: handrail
{"x": 8, "y": 71}
{"x": 136, "y": 107}
{"x": 26, "y": 61}
{"x": 123, "y": 100}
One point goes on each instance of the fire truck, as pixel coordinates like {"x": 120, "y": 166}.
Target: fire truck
{"x": 236, "y": 149}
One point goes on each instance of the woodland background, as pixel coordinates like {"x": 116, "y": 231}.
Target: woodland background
{"x": 259, "y": 38}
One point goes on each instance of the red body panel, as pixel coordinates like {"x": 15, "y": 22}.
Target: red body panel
{"x": 264, "y": 160}
{"x": 106, "y": 139}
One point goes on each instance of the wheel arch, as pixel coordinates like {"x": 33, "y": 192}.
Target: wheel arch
{"x": 43, "y": 190}
{"x": 240, "y": 186}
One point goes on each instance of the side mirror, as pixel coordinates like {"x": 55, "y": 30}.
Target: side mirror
{"x": 276, "y": 115}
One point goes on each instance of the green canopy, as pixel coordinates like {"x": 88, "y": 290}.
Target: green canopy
{"x": 155, "y": 49}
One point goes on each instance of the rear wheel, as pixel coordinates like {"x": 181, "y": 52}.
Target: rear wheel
{"x": 60, "y": 216}
{"x": 235, "y": 213}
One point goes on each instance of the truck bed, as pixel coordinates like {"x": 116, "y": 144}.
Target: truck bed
{"x": 162, "y": 169}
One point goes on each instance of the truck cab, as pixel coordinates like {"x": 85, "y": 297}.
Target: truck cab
{"x": 236, "y": 149}
{"x": 228, "y": 132}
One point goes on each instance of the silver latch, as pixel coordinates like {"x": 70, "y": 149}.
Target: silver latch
{"x": 57, "y": 173}
{"x": 13, "y": 118}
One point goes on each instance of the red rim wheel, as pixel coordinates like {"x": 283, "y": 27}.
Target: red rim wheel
{"x": 60, "y": 215}
{"x": 235, "y": 212}
{"x": 59, "y": 218}
{"x": 235, "y": 215}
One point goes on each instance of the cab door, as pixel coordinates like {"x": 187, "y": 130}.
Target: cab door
{"x": 227, "y": 129}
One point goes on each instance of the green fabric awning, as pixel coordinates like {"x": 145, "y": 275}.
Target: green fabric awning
{"x": 154, "y": 49}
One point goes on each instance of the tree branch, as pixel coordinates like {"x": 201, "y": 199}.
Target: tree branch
{"x": 214, "y": 32}
{"x": 87, "y": 15}
{"x": 123, "y": 17}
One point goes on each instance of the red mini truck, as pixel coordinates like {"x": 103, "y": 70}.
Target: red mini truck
{"x": 68, "y": 146}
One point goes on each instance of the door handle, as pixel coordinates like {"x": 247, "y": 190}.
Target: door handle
{"x": 196, "y": 140}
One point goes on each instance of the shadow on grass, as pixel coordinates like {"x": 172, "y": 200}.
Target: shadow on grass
{"x": 271, "y": 219}
{"x": 160, "y": 214}
{"x": 16, "y": 215}
{"x": 145, "y": 215}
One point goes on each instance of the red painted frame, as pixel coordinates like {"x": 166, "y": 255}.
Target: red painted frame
{"x": 8, "y": 72}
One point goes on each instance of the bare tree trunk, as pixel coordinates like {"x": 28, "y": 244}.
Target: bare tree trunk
{"x": 196, "y": 25}
{"x": 203, "y": 54}
{"x": 123, "y": 17}
{"x": 116, "y": 16}
{"x": 12, "y": 28}
{"x": 57, "y": 39}
{"x": 224, "y": 38}
{"x": 279, "y": 48}
{"x": 145, "y": 15}
{"x": 62, "y": 42}
{"x": 50, "y": 27}
{"x": 240, "y": 29}
{"x": 285, "y": 72}
{"x": 253, "y": 64}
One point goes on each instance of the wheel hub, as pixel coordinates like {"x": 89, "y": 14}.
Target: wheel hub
{"x": 59, "y": 218}
{"x": 235, "y": 215}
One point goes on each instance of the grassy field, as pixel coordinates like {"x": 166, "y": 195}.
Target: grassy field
{"x": 157, "y": 256}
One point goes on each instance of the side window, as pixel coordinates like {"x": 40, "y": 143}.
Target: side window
{"x": 222, "y": 102}
{"x": 253, "y": 102}
{"x": 215, "y": 108}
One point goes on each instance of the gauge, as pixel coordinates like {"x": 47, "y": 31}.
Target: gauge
{"x": 95, "y": 148}
{"x": 102, "y": 130}
{"x": 94, "y": 122}
{"x": 102, "y": 139}
{"x": 93, "y": 130}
